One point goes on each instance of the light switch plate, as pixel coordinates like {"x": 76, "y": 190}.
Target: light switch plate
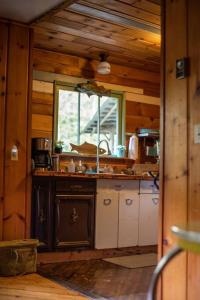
{"x": 197, "y": 134}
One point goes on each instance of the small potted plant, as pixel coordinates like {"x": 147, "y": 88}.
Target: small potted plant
{"x": 121, "y": 150}
{"x": 58, "y": 146}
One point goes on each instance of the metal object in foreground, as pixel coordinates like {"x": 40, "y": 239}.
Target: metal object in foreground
{"x": 188, "y": 240}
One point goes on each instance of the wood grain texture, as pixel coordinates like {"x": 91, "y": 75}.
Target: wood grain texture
{"x": 194, "y": 153}
{"x": 29, "y": 141}
{"x": 128, "y": 31}
{"x": 68, "y": 63}
{"x": 48, "y": 61}
{"x": 53, "y": 257}
{"x": 16, "y": 133}
{"x": 34, "y": 286}
{"x": 3, "y": 69}
{"x": 141, "y": 115}
{"x": 42, "y": 122}
{"x": 175, "y": 141}
{"x": 100, "y": 279}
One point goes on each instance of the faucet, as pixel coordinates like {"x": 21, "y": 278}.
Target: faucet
{"x": 108, "y": 150}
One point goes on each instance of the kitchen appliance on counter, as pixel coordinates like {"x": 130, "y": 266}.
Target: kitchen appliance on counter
{"x": 41, "y": 153}
{"x": 149, "y": 145}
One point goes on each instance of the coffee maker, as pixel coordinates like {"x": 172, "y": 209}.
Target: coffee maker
{"x": 41, "y": 153}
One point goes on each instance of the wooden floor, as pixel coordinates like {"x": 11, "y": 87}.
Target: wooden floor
{"x": 34, "y": 287}
{"x": 97, "y": 278}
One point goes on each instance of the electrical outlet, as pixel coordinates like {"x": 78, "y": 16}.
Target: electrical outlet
{"x": 197, "y": 134}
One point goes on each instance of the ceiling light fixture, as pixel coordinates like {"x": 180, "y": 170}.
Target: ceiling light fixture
{"x": 103, "y": 67}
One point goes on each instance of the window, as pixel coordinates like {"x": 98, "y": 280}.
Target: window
{"x": 77, "y": 116}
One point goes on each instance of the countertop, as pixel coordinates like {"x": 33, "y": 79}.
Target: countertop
{"x": 95, "y": 176}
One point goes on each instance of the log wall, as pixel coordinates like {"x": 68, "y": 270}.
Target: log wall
{"x": 142, "y": 109}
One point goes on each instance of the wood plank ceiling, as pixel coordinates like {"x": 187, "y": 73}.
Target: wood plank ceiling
{"x": 127, "y": 30}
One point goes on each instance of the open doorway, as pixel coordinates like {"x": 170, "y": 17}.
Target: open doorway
{"x": 67, "y": 49}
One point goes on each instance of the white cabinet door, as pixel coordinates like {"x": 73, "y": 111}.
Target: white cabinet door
{"x": 128, "y": 218}
{"x": 148, "y": 219}
{"x": 148, "y": 187}
{"x": 106, "y": 229}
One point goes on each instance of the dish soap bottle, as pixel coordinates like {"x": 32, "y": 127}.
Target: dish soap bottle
{"x": 71, "y": 166}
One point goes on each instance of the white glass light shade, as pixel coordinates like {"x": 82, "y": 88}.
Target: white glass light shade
{"x": 103, "y": 68}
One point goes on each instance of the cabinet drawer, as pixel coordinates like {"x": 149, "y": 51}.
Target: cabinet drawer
{"x": 118, "y": 185}
{"x": 148, "y": 187}
{"x": 70, "y": 186}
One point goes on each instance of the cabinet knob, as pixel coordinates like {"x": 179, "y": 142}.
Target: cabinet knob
{"x": 107, "y": 201}
{"x": 129, "y": 201}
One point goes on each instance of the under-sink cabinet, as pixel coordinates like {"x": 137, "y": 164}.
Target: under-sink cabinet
{"x": 63, "y": 213}
{"x": 126, "y": 214}
{"x": 148, "y": 219}
{"x": 117, "y": 209}
{"x": 148, "y": 214}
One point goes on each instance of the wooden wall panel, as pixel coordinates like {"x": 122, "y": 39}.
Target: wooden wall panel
{"x": 138, "y": 115}
{"x": 3, "y": 68}
{"x": 175, "y": 158}
{"x": 42, "y": 109}
{"x": 53, "y": 62}
{"x": 17, "y": 119}
{"x": 194, "y": 149}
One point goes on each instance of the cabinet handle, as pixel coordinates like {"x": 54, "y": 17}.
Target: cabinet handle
{"x": 155, "y": 200}
{"x": 129, "y": 201}
{"x": 76, "y": 186}
{"x": 107, "y": 201}
{"x": 119, "y": 186}
{"x": 74, "y": 216}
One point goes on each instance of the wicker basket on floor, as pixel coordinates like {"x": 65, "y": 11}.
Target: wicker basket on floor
{"x": 18, "y": 257}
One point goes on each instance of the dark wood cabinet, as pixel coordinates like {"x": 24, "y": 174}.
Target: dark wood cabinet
{"x": 63, "y": 213}
{"x": 74, "y": 221}
{"x": 42, "y": 212}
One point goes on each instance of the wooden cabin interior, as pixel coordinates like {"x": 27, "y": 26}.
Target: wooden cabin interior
{"x": 97, "y": 166}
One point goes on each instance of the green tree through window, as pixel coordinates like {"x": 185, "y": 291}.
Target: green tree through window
{"x": 76, "y": 118}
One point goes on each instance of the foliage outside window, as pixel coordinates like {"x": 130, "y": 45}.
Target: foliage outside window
{"x": 76, "y": 118}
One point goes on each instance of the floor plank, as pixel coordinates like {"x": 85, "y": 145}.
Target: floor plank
{"x": 98, "y": 278}
{"x": 35, "y": 287}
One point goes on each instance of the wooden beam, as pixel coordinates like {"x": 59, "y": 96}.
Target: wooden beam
{"x": 105, "y": 14}
{"x": 28, "y": 141}
{"x": 175, "y": 172}
{"x": 135, "y": 97}
{"x": 53, "y": 11}
{"x": 17, "y": 118}
{"x": 3, "y": 71}
{"x": 193, "y": 10}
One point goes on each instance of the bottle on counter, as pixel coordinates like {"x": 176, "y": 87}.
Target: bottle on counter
{"x": 133, "y": 147}
{"x": 71, "y": 166}
{"x": 80, "y": 167}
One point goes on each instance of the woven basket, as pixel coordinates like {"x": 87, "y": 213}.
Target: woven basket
{"x": 18, "y": 257}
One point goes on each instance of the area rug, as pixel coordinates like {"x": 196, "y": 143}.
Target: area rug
{"x": 134, "y": 261}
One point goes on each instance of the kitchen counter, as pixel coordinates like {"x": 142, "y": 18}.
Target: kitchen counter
{"x": 89, "y": 176}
